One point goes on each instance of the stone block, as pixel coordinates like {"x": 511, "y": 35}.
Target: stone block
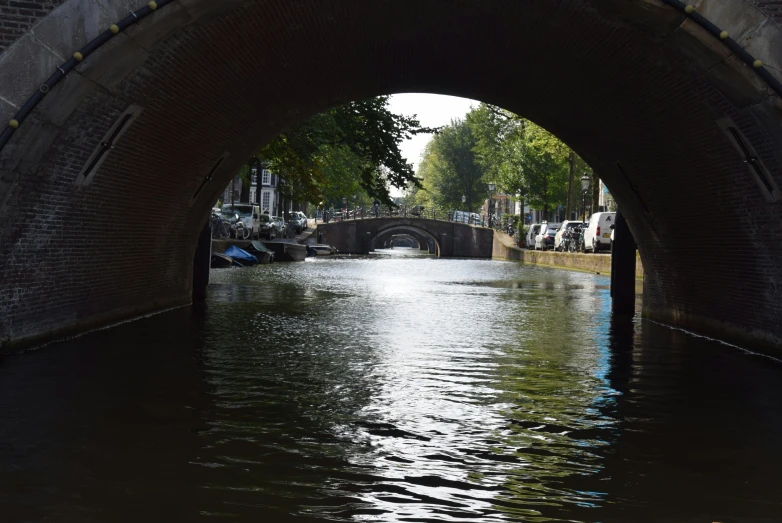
{"x": 738, "y": 82}
{"x": 738, "y": 18}
{"x": 204, "y": 11}
{"x": 699, "y": 44}
{"x": 64, "y": 98}
{"x": 769, "y": 116}
{"x": 7, "y": 111}
{"x": 654, "y": 18}
{"x": 159, "y": 25}
{"x": 71, "y": 26}
{"x": 110, "y": 64}
{"x": 29, "y": 144}
{"x": 116, "y": 10}
{"x": 25, "y": 66}
{"x": 766, "y": 45}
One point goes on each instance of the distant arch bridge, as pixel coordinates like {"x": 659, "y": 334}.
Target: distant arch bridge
{"x": 443, "y": 238}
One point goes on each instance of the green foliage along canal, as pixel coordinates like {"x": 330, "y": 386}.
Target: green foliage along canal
{"x": 394, "y": 387}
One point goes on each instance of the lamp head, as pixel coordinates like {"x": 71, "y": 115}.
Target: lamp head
{"x": 491, "y": 187}
{"x": 585, "y": 182}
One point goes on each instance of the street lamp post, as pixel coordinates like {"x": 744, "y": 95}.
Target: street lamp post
{"x": 464, "y": 200}
{"x": 344, "y": 206}
{"x": 584, "y": 189}
{"x": 491, "y": 187}
{"x": 355, "y": 215}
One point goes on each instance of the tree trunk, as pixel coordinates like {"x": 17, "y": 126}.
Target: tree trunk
{"x": 571, "y": 173}
{"x": 595, "y": 192}
{"x": 245, "y": 193}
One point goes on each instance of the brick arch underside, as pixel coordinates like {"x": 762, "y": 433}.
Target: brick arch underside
{"x": 410, "y": 238}
{"x": 625, "y": 83}
{"x": 416, "y": 240}
{"x": 421, "y": 236}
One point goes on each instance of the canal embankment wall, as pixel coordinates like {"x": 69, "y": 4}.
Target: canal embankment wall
{"x": 504, "y": 248}
{"x": 221, "y": 245}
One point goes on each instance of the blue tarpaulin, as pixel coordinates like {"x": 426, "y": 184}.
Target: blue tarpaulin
{"x": 241, "y": 256}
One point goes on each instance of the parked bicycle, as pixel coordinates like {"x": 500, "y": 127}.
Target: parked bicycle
{"x": 220, "y": 228}
{"x": 239, "y": 230}
{"x": 572, "y": 238}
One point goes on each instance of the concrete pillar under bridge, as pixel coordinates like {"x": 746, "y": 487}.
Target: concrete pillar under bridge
{"x": 202, "y": 260}
{"x": 623, "y": 268}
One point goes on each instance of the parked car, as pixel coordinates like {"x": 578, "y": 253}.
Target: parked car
{"x": 558, "y": 237}
{"x": 597, "y": 234}
{"x": 267, "y": 228}
{"x": 279, "y": 226}
{"x": 545, "y": 239}
{"x": 534, "y": 230}
{"x": 297, "y": 220}
{"x": 303, "y": 220}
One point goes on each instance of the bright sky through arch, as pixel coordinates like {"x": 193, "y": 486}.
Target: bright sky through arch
{"x": 433, "y": 110}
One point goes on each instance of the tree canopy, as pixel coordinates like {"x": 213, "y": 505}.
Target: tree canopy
{"x": 349, "y": 149}
{"x": 449, "y": 169}
{"x": 493, "y": 145}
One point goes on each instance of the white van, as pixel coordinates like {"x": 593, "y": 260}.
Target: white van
{"x": 467, "y": 217}
{"x": 461, "y": 217}
{"x": 597, "y": 235}
{"x": 533, "y": 231}
{"x": 248, "y": 214}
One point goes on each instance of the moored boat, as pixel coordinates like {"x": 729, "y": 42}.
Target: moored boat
{"x": 241, "y": 256}
{"x": 287, "y": 250}
{"x": 260, "y": 251}
{"x": 323, "y": 249}
{"x": 221, "y": 261}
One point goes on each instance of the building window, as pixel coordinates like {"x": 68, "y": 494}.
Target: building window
{"x": 265, "y": 177}
{"x": 252, "y": 195}
{"x": 265, "y": 200}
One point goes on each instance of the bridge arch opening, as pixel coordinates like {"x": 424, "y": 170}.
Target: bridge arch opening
{"x": 420, "y": 235}
{"x": 105, "y": 184}
{"x": 405, "y": 240}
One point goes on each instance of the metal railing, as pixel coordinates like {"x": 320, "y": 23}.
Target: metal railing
{"x": 414, "y": 212}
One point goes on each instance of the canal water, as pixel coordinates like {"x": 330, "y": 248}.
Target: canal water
{"x": 393, "y": 387}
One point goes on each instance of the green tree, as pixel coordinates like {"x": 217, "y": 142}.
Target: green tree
{"x": 524, "y": 159}
{"x": 449, "y": 169}
{"x": 348, "y": 150}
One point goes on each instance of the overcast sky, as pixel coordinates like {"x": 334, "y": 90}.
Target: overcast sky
{"x": 432, "y": 111}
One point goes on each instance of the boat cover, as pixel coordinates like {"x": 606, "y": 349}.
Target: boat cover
{"x": 239, "y": 254}
{"x": 258, "y": 246}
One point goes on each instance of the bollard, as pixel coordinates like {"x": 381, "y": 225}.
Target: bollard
{"x": 623, "y": 268}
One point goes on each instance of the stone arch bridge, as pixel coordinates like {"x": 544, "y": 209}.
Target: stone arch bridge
{"x": 443, "y": 238}
{"x": 122, "y": 120}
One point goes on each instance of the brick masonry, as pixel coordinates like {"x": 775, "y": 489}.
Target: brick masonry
{"x": 17, "y": 16}
{"x": 634, "y": 90}
{"x": 773, "y": 8}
